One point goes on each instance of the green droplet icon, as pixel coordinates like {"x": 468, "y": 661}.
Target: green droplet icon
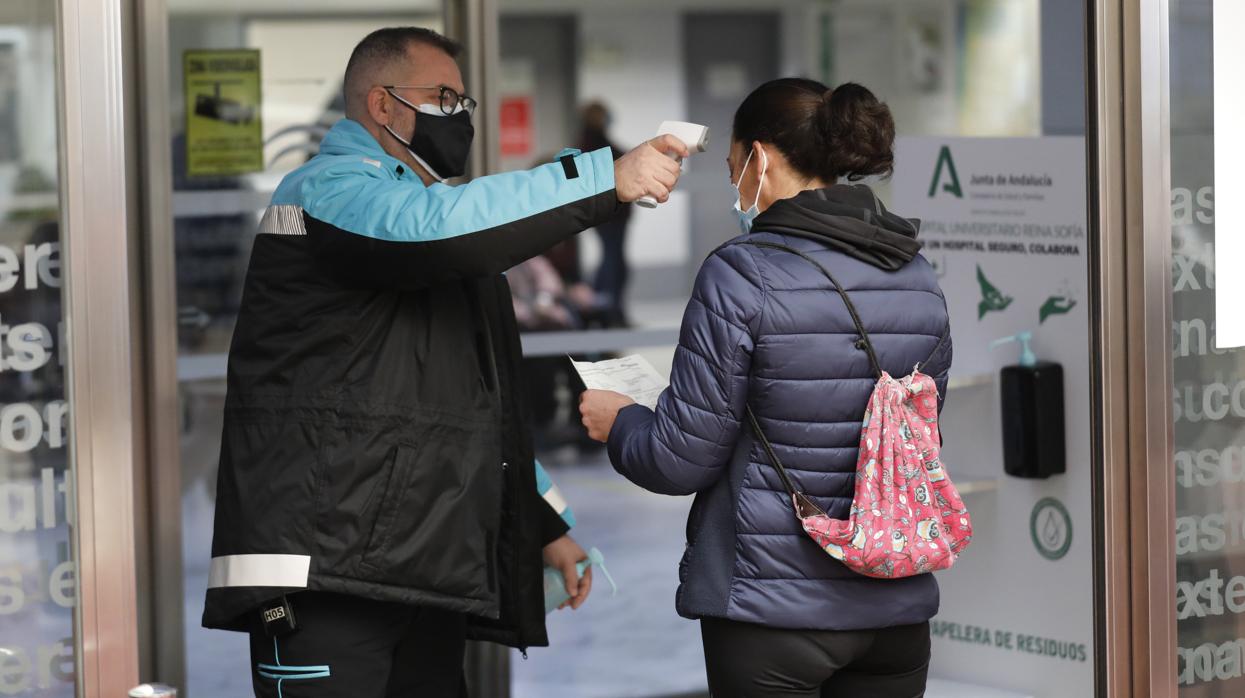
{"x": 1051, "y": 530}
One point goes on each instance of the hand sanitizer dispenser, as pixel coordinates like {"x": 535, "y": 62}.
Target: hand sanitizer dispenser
{"x": 1033, "y": 414}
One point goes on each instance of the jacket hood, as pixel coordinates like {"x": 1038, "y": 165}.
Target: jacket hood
{"x": 847, "y": 218}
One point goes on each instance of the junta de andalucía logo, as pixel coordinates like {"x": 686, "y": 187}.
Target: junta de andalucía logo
{"x": 946, "y": 167}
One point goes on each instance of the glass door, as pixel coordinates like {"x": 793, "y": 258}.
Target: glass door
{"x": 69, "y": 419}
{"x": 1207, "y": 225}
{"x": 38, "y": 590}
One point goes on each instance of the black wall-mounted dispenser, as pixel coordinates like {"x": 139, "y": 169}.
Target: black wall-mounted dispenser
{"x": 1033, "y": 415}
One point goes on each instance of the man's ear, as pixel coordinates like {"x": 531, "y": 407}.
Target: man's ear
{"x": 379, "y": 106}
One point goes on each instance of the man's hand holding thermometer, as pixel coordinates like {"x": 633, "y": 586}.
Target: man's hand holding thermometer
{"x": 648, "y": 170}
{"x": 694, "y": 137}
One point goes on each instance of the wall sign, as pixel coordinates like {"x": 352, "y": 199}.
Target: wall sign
{"x": 516, "y": 135}
{"x": 224, "y": 135}
{"x": 1003, "y": 221}
{"x": 1050, "y": 527}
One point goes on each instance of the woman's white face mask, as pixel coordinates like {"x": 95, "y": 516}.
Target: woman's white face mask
{"x": 746, "y": 217}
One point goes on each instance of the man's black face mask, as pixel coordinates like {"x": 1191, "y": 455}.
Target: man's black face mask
{"x": 441, "y": 143}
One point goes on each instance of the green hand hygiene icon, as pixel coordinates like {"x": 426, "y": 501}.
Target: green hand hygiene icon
{"x": 1055, "y": 305}
{"x": 992, "y": 299}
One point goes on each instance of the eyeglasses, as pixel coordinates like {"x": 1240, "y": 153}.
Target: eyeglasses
{"x": 450, "y": 99}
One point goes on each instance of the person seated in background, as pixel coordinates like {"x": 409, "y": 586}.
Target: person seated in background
{"x": 542, "y": 302}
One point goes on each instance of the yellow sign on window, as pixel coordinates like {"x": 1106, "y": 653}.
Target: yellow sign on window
{"x": 223, "y": 131}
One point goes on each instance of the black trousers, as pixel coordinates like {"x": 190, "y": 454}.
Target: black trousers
{"x": 349, "y": 647}
{"x": 611, "y": 276}
{"x": 754, "y": 661}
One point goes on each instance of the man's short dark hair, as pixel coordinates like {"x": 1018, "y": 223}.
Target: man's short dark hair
{"x": 387, "y": 45}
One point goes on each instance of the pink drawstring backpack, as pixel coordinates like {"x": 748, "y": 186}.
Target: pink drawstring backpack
{"x": 907, "y": 517}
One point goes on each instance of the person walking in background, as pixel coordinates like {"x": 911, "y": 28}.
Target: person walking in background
{"x": 766, "y": 329}
{"x": 610, "y": 281}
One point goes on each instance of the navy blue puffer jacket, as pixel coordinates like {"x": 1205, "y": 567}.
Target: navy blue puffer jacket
{"x": 765, "y": 328}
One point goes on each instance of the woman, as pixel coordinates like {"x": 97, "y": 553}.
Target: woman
{"x": 765, "y": 329}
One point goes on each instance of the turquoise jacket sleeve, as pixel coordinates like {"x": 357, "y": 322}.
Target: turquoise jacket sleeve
{"x": 553, "y": 496}
{"x": 396, "y": 232}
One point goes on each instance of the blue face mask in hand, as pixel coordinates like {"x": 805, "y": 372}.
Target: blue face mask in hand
{"x": 555, "y": 585}
{"x": 745, "y": 217}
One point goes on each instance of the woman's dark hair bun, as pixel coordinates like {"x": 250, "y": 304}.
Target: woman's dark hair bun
{"x": 859, "y": 132}
{"x": 830, "y": 134}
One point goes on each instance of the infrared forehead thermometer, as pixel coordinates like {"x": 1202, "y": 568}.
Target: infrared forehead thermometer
{"x": 694, "y": 136}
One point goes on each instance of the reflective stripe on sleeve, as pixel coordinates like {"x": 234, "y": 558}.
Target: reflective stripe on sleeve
{"x": 259, "y": 571}
{"x": 283, "y": 219}
{"x": 555, "y": 499}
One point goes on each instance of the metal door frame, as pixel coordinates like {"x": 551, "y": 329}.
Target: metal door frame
{"x": 475, "y": 24}
{"x": 1130, "y": 194}
{"x": 99, "y": 235}
{"x": 164, "y": 639}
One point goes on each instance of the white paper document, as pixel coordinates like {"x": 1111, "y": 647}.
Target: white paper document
{"x": 632, "y": 376}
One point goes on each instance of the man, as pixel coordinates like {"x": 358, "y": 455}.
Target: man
{"x": 378, "y": 501}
